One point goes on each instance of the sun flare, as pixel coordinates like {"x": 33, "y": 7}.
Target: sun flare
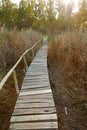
{"x": 67, "y": 1}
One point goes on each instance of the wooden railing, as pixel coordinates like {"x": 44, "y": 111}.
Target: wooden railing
{"x": 12, "y": 70}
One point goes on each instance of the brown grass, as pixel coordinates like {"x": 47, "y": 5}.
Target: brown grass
{"x": 13, "y": 44}
{"x": 8, "y": 97}
{"x": 69, "y": 51}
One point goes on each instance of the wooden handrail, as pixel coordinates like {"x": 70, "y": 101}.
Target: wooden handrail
{"x": 12, "y": 70}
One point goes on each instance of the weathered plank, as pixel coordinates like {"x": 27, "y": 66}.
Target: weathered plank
{"x": 34, "y": 105}
{"x": 34, "y": 89}
{"x": 35, "y": 101}
{"x": 27, "y": 118}
{"x": 34, "y": 86}
{"x": 43, "y": 96}
{"x": 35, "y": 92}
{"x": 34, "y": 111}
{"x": 34, "y": 126}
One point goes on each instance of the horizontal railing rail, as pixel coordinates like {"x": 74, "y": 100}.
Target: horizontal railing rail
{"x": 12, "y": 70}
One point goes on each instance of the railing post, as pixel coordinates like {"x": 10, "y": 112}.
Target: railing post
{"x": 16, "y": 81}
{"x": 25, "y": 62}
{"x": 32, "y": 53}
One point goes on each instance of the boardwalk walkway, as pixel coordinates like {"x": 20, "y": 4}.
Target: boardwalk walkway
{"x": 35, "y": 109}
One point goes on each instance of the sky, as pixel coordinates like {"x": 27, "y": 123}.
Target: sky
{"x": 16, "y": 1}
{"x": 66, "y": 1}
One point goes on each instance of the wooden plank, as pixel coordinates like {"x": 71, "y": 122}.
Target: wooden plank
{"x": 34, "y": 105}
{"x": 38, "y": 72}
{"x": 28, "y": 98}
{"x": 42, "y": 96}
{"x": 36, "y": 80}
{"x": 35, "y": 92}
{"x": 27, "y": 85}
{"x": 34, "y": 89}
{"x": 34, "y": 111}
{"x": 36, "y": 84}
{"x": 42, "y": 83}
{"x": 34, "y": 74}
{"x": 34, "y": 66}
{"x": 41, "y": 78}
{"x": 34, "y": 126}
{"x": 27, "y": 118}
{"x": 38, "y": 100}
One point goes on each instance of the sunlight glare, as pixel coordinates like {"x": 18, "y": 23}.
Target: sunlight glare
{"x": 67, "y": 1}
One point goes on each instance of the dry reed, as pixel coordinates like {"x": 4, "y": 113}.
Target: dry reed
{"x": 69, "y": 52}
{"x": 14, "y": 43}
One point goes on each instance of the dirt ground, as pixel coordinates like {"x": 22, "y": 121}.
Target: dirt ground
{"x": 8, "y": 98}
{"x": 70, "y": 117}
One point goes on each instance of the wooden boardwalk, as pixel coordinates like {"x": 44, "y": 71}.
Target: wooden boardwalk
{"x": 35, "y": 108}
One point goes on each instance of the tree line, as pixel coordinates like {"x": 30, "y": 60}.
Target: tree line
{"x": 45, "y": 16}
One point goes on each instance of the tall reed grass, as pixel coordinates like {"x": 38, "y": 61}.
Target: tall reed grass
{"x": 14, "y": 43}
{"x": 69, "y": 52}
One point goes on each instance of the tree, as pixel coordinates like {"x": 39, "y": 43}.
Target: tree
{"x": 40, "y": 19}
{"x": 50, "y": 16}
{"x": 21, "y": 14}
{"x": 81, "y": 16}
{"x": 8, "y": 13}
{"x": 30, "y": 13}
{"x": 65, "y": 19}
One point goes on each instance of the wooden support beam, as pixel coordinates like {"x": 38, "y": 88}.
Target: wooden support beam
{"x": 16, "y": 81}
{"x": 32, "y": 53}
{"x": 25, "y": 63}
